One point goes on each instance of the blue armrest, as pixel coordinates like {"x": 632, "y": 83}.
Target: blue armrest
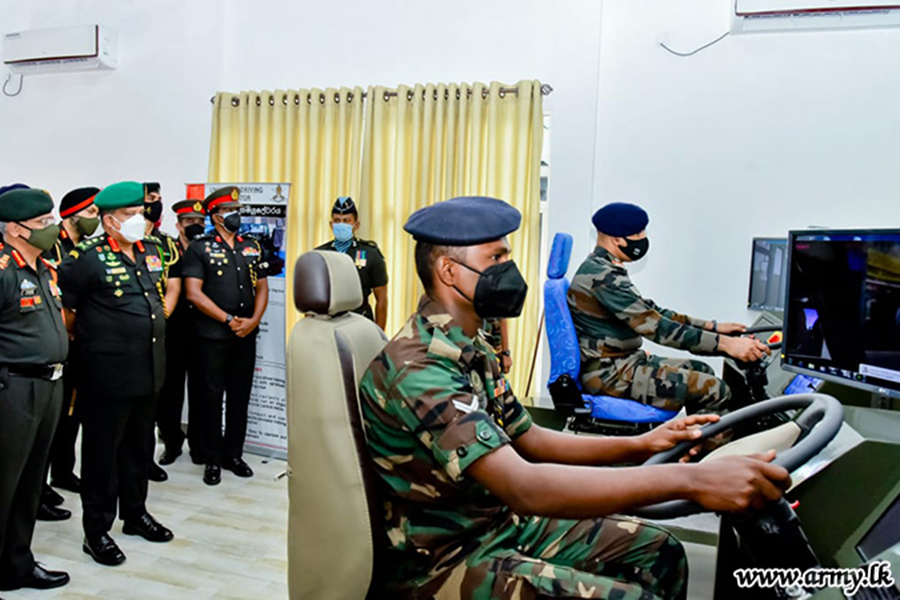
{"x": 618, "y": 409}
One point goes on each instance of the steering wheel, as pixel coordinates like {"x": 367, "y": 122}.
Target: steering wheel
{"x": 820, "y": 421}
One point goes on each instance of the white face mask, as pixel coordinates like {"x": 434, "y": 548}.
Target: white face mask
{"x": 132, "y": 229}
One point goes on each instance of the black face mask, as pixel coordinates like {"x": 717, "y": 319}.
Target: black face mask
{"x": 232, "y": 222}
{"x": 635, "y": 249}
{"x": 153, "y": 211}
{"x": 500, "y": 291}
{"x": 192, "y": 231}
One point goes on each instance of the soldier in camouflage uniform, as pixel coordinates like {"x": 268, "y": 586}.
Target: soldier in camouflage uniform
{"x": 611, "y": 318}
{"x": 474, "y": 493}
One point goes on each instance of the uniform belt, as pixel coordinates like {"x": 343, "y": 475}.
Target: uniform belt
{"x": 48, "y": 372}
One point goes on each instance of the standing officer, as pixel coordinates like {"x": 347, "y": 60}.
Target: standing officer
{"x": 227, "y": 285}
{"x": 368, "y": 258}
{"x": 462, "y": 460}
{"x": 33, "y": 346}
{"x": 171, "y": 277}
{"x": 180, "y": 340}
{"x": 79, "y": 220}
{"x": 113, "y": 283}
{"x": 611, "y": 317}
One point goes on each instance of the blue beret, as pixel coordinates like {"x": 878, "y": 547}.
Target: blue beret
{"x": 464, "y": 221}
{"x": 620, "y": 219}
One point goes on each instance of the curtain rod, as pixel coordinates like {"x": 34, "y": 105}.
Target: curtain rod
{"x": 546, "y": 90}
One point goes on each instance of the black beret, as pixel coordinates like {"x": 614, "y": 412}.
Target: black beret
{"x": 151, "y": 187}
{"x": 464, "y": 221}
{"x": 24, "y": 204}
{"x": 344, "y": 206}
{"x": 15, "y": 186}
{"x": 225, "y": 195}
{"x": 620, "y": 219}
{"x": 76, "y": 201}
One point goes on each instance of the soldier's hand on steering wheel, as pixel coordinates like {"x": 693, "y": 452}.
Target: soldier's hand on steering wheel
{"x": 730, "y": 328}
{"x": 743, "y": 349}
{"x": 670, "y": 434}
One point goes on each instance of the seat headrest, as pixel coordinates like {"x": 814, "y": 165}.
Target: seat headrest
{"x": 560, "y": 252}
{"x": 326, "y": 283}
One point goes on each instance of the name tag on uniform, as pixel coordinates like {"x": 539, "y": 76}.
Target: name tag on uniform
{"x": 116, "y": 271}
{"x": 250, "y": 251}
{"x": 360, "y": 259}
{"x": 154, "y": 264}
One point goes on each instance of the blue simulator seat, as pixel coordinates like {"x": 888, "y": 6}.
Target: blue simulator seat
{"x": 565, "y": 356}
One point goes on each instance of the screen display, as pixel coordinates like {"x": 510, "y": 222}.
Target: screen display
{"x": 884, "y": 534}
{"x": 768, "y": 274}
{"x": 802, "y": 384}
{"x": 842, "y": 317}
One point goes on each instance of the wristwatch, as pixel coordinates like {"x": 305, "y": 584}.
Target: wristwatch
{"x": 228, "y": 319}
{"x": 506, "y": 352}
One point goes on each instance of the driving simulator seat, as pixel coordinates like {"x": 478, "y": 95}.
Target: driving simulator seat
{"x": 334, "y": 519}
{"x": 595, "y": 414}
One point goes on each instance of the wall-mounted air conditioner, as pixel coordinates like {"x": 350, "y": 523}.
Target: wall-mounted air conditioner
{"x": 79, "y": 48}
{"x": 798, "y": 15}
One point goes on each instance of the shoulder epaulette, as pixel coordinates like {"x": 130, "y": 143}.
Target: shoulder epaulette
{"x": 369, "y": 243}
{"x": 90, "y": 243}
{"x": 204, "y": 237}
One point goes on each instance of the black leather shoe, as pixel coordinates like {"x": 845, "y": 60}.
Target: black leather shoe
{"x": 39, "y": 579}
{"x": 157, "y": 473}
{"x": 52, "y": 513}
{"x": 70, "y": 483}
{"x": 169, "y": 456}
{"x": 148, "y": 528}
{"x": 51, "y": 497}
{"x": 238, "y": 467}
{"x": 212, "y": 475}
{"x": 104, "y": 550}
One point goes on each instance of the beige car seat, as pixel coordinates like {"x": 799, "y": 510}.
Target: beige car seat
{"x": 331, "y": 529}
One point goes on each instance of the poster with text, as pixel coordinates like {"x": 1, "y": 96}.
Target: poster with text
{"x": 264, "y": 217}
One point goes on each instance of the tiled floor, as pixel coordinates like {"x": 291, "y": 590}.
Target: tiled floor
{"x": 230, "y": 542}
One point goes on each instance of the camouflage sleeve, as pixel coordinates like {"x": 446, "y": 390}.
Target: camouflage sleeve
{"x": 678, "y": 317}
{"x": 435, "y": 402}
{"x": 616, "y": 292}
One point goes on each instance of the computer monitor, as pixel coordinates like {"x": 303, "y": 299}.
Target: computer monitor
{"x": 842, "y": 310}
{"x": 767, "y": 274}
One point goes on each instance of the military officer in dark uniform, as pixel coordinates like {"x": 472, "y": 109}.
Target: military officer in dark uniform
{"x": 112, "y": 290}
{"x": 227, "y": 285}
{"x": 33, "y": 347}
{"x": 9, "y": 188}
{"x": 180, "y": 340}
{"x": 153, "y": 211}
{"x": 368, "y": 258}
{"x": 79, "y": 220}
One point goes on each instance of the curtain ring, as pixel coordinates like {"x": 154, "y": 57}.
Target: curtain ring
{"x": 321, "y": 98}
{"x": 446, "y": 94}
{"x": 337, "y": 97}
{"x": 309, "y": 98}
{"x": 349, "y": 96}
{"x": 435, "y": 95}
{"x": 271, "y": 100}
{"x": 409, "y": 95}
{"x": 284, "y": 100}
{"x": 257, "y": 101}
{"x": 235, "y": 101}
{"x": 501, "y": 93}
{"x": 387, "y": 96}
{"x": 458, "y": 94}
{"x": 297, "y": 99}
{"x": 484, "y": 93}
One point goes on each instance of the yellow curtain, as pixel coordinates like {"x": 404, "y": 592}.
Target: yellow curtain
{"x": 429, "y": 143}
{"x": 308, "y": 138}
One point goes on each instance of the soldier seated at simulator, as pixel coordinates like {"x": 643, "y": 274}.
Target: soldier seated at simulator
{"x": 611, "y": 318}
{"x": 478, "y": 499}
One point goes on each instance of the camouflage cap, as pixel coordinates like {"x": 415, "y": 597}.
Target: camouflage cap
{"x": 463, "y": 221}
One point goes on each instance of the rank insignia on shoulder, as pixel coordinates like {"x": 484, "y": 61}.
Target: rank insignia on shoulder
{"x": 4, "y": 261}
{"x": 118, "y": 293}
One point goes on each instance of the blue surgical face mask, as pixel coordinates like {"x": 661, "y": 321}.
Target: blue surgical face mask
{"x": 343, "y": 232}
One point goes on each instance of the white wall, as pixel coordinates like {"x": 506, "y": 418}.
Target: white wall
{"x": 750, "y": 137}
